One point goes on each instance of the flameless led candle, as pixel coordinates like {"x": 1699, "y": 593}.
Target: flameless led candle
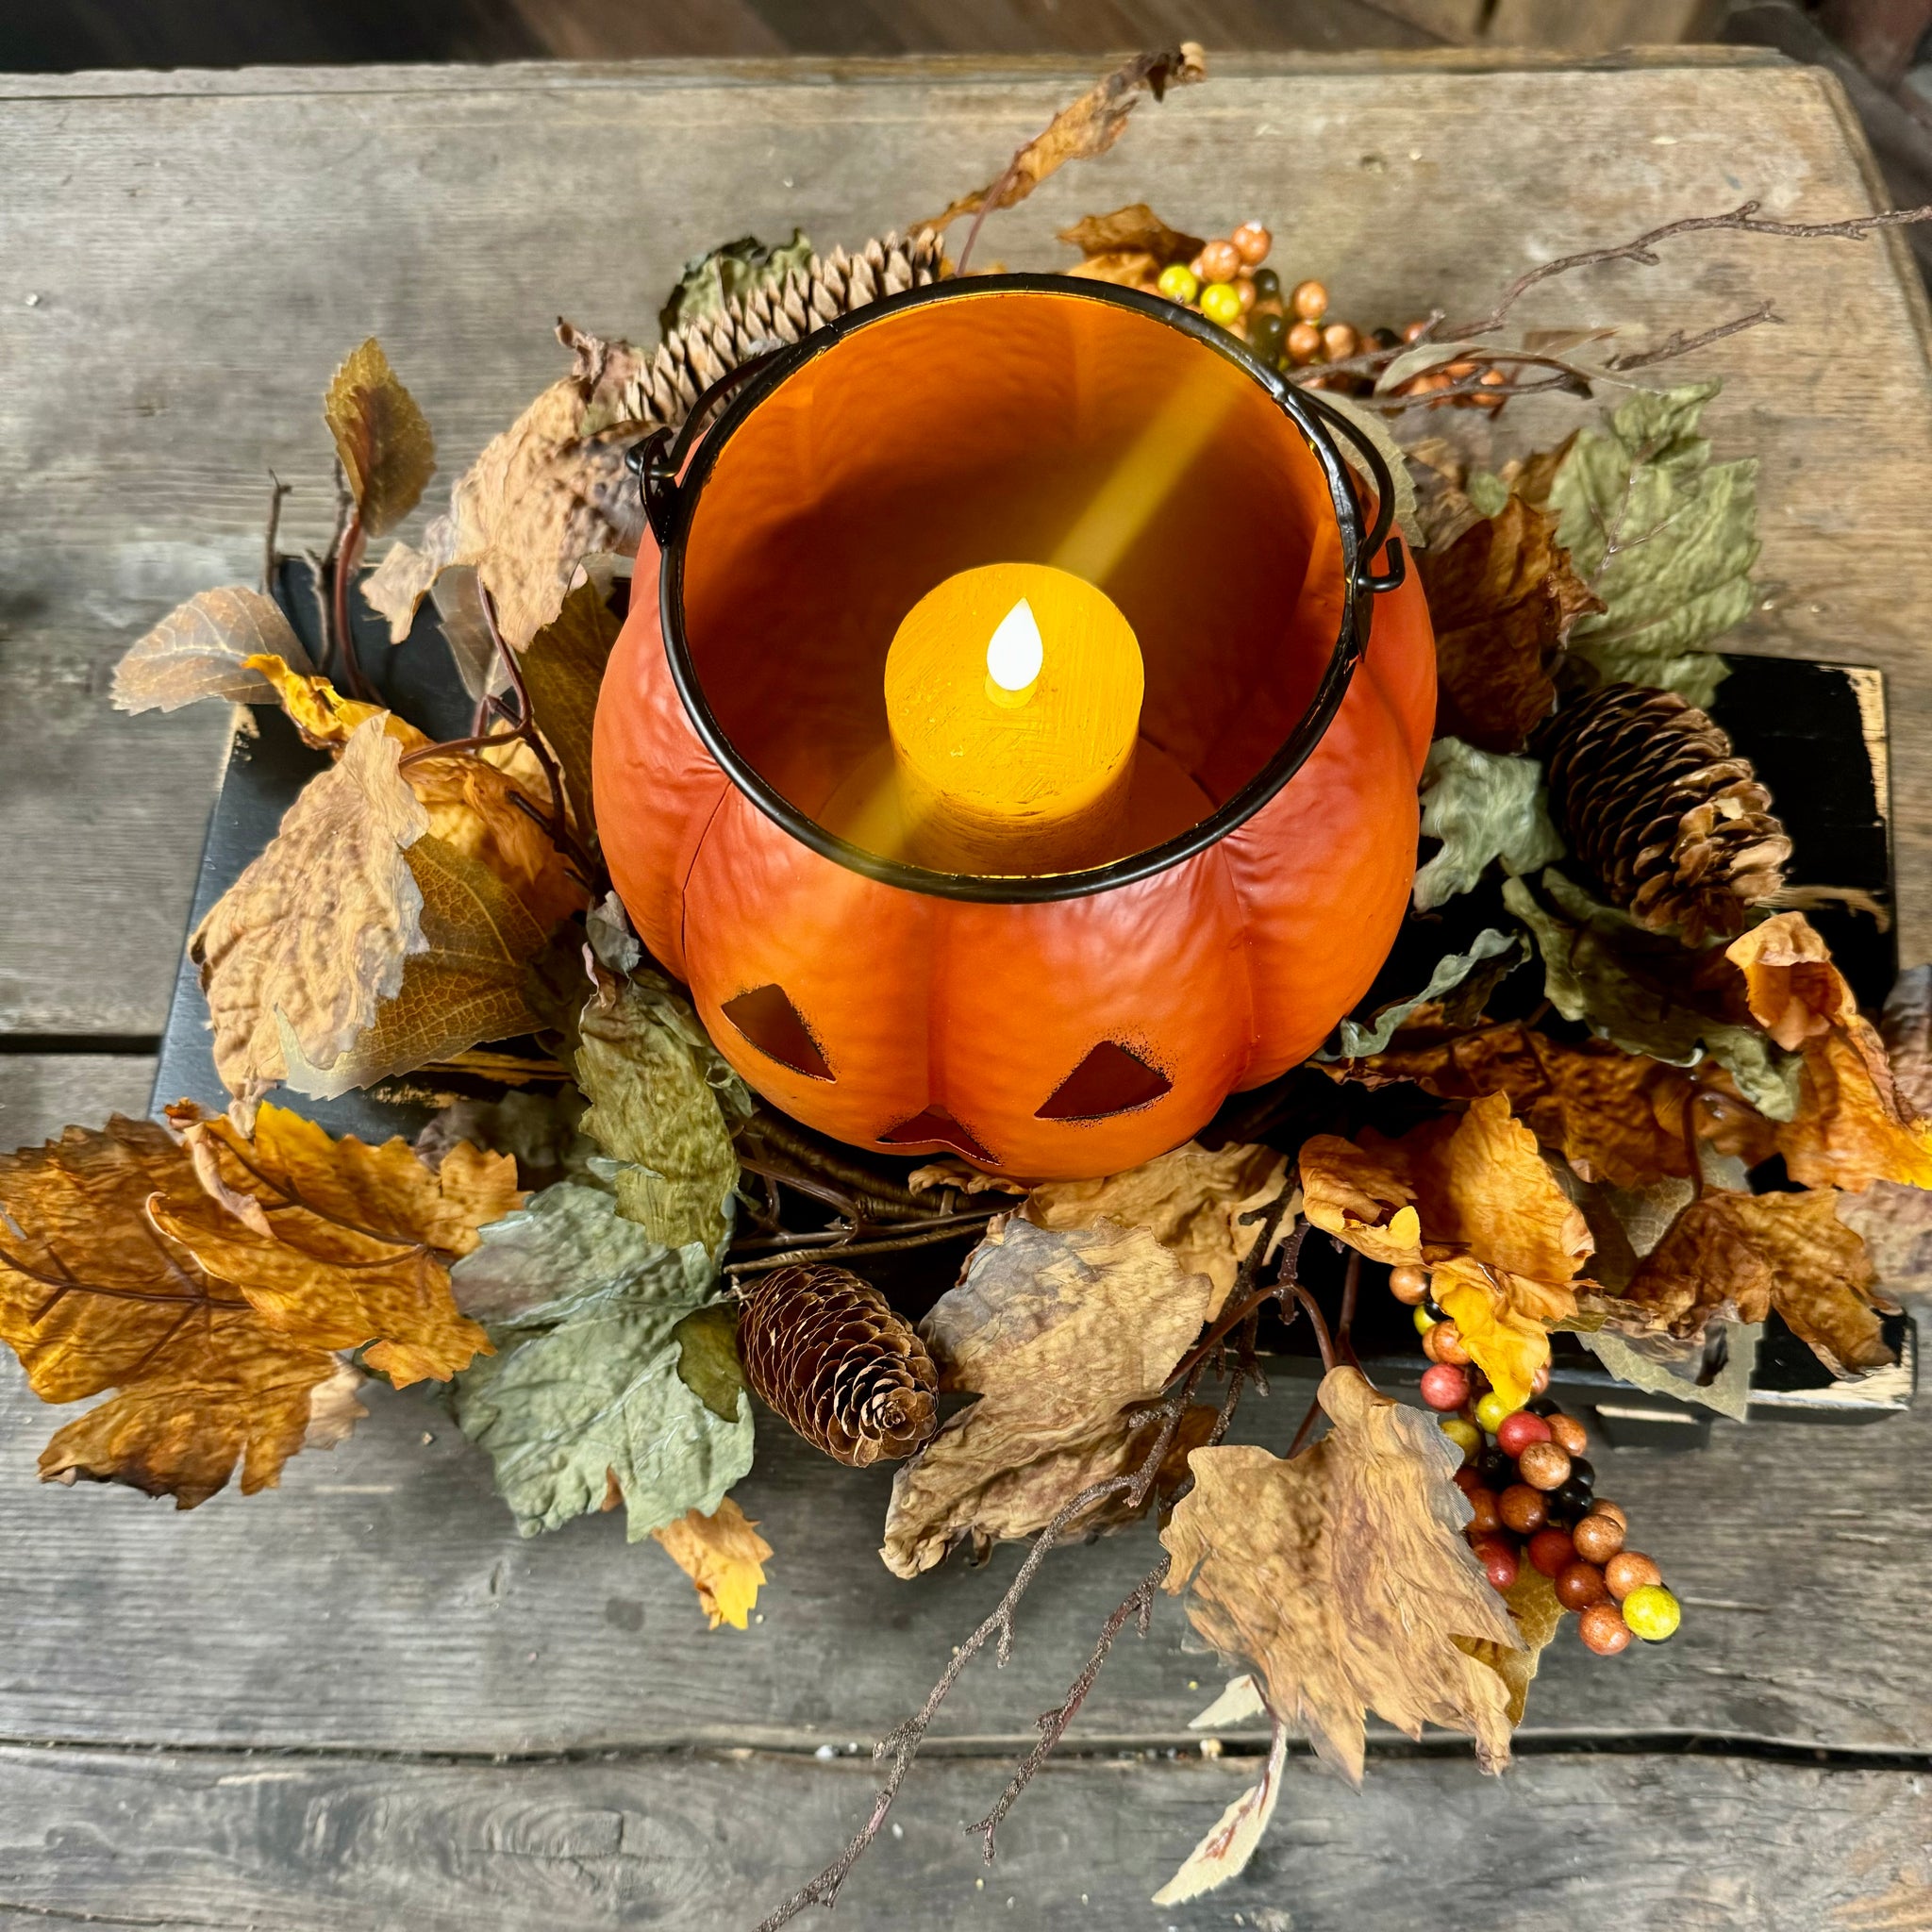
{"x": 1013, "y": 699}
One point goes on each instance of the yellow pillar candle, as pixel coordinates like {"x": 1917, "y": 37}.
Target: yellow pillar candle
{"x": 1013, "y": 699}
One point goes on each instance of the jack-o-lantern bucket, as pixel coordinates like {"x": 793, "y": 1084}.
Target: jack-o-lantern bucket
{"x": 1240, "y": 897}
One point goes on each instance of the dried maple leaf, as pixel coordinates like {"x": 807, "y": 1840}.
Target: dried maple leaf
{"x": 1088, "y": 127}
{"x": 724, "y": 1556}
{"x": 1190, "y": 1201}
{"x": 92, "y": 1297}
{"x": 1537, "y": 1613}
{"x": 1472, "y": 1198}
{"x": 473, "y": 808}
{"x": 659, "y": 1092}
{"x": 549, "y": 492}
{"x": 563, "y": 670}
{"x": 337, "y": 1244}
{"x": 314, "y": 934}
{"x": 1061, "y": 1333}
{"x": 387, "y": 452}
{"x": 1340, "y": 1576}
{"x": 1743, "y": 1255}
{"x": 1501, "y": 599}
{"x": 204, "y": 649}
{"x": 1853, "y": 1126}
{"x": 1136, "y": 229}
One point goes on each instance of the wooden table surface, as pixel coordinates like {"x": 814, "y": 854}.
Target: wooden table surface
{"x": 360, "y": 1701}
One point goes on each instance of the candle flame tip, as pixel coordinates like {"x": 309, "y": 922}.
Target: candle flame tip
{"x": 1016, "y": 650}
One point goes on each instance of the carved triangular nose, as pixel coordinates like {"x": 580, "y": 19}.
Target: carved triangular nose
{"x": 936, "y": 1123}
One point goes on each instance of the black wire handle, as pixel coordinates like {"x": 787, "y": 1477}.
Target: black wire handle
{"x": 1384, "y": 485}
{"x": 657, "y": 459}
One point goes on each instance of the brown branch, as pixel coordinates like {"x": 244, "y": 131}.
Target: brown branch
{"x": 1678, "y": 343}
{"x": 271, "y": 557}
{"x": 836, "y": 1165}
{"x": 926, "y": 1238}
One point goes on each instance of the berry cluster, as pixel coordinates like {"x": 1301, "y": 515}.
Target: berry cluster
{"x": 1532, "y": 1492}
{"x": 1227, "y": 283}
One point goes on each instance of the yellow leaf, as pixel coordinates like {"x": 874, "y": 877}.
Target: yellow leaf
{"x": 1509, "y": 1344}
{"x": 724, "y": 1556}
{"x": 319, "y": 711}
{"x": 382, "y": 437}
{"x": 314, "y": 934}
{"x": 473, "y": 809}
{"x": 337, "y": 1244}
{"x": 1341, "y": 1578}
{"x": 92, "y": 1297}
{"x": 1361, "y": 1199}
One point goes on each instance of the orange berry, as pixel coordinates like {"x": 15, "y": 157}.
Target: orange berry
{"x": 1221, "y": 261}
{"x": 1244, "y": 288}
{"x": 1309, "y": 301}
{"x": 1303, "y": 343}
{"x": 1340, "y": 340}
{"x": 1252, "y": 241}
{"x": 1409, "y": 1284}
{"x": 1629, "y": 1570}
{"x": 1604, "y": 1630}
{"x": 1410, "y": 330}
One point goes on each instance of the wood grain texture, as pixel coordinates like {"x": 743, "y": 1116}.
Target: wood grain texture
{"x": 682, "y": 1842}
{"x": 381, "y": 1600}
{"x": 188, "y": 256}
{"x": 41, "y": 1092}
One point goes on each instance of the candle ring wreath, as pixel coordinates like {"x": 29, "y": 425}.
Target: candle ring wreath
{"x": 887, "y": 936}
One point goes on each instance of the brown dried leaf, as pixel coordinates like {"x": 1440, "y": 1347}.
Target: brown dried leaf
{"x": 473, "y": 809}
{"x": 1743, "y": 1255}
{"x": 549, "y": 492}
{"x": 1127, "y": 268}
{"x": 314, "y": 934}
{"x": 1361, "y": 1199}
{"x": 1088, "y": 126}
{"x": 202, "y": 649}
{"x": 724, "y": 1556}
{"x": 1853, "y": 1126}
{"x": 1058, "y": 1332}
{"x": 382, "y": 437}
{"x": 1223, "y": 1854}
{"x": 1190, "y": 1201}
{"x": 337, "y": 1244}
{"x": 1342, "y": 1578}
{"x": 1136, "y": 231}
{"x": 474, "y": 983}
{"x": 92, "y": 1297}
{"x": 1538, "y": 1615}
{"x": 1502, "y": 598}
{"x": 563, "y": 670}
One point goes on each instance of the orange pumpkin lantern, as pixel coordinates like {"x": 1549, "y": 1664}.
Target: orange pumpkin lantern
{"x": 1044, "y": 1024}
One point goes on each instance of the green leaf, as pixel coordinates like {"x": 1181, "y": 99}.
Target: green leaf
{"x": 1664, "y": 535}
{"x": 588, "y": 1316}
{"x": 663, "y": 1104}
{"x": 1451, "y": 971}
{"x": 563, "y": 667}
{"x": 1482, "y": 806}
{"x": 708, "y": 1364}
{"x": 740, "y": 268}
{"x": 1637, "y": 990}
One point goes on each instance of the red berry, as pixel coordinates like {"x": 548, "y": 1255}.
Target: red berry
{"x": 1497, "y": 1555}
{"x": 1523, "y": 1509}
{"x": 1603, "y": 1628}
{"x": 1445, "y": 1386}
{"x": 1551, "y": 1551}
{"x": 1484, "y": 1517}
{"x": 1468, "y": 1479}
{"x": 1517, "y": 1432}
{"x": 1579, "y": 1585}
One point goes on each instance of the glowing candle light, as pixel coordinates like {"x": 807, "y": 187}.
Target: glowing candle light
{"x": 1013, "y": 700}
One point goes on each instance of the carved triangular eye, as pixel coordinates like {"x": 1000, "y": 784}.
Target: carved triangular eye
{"x": 1109, "y": 1080}
{"x": 772, "y": 1024}
{"x": 936, "y": 1123}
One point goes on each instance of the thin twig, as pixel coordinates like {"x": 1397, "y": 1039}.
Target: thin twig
{"x": 526, "y": 713}
{"x": 1312, "y": 1309}
{"x": 271, "y": 557}
{"x": 460, "y": 744}
{"x": 1351, "y": 1285}
{"x": 926, "y": 1238}
{"x": 1678, "y": 343}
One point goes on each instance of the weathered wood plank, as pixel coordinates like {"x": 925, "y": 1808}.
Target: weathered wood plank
{"x": 192, "y": 254}
{"x": 1698, "y": 1844}
{"x": 40, "y": 1093}
{"x": 381, "y": 1599}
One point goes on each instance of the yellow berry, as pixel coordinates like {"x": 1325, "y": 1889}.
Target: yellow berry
{"x": 1492, "y": 1410}
{"x": 1221, "y": 302}
{"x": 1178, "y": 282}
{"x": 1462, "y": 1432}
{"x": 1424, "y": 1320}
{"x": 1652, "y": 1612}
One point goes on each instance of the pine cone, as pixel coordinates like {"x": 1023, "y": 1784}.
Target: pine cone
{"x": 1649, "y": 794}
{"x": 693, "y": 358}
{"x": 826, "y": 1350}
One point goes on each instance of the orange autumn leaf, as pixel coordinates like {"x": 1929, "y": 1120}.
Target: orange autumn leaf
{"x": 724, "y": 1556}
{"x": 319, "y": 711}
{"x": 338, "y": 1244}
{"x": 1341, "y": 1578}
{"x": 1743, "y": 1255}
{"x": 95, "y": 1297}
{"x": 1472, "y": 1198}
{"x": 1853, "y": 1124}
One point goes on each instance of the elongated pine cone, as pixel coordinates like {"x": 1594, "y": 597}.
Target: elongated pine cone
{"x": 694, "y": 357}
{"x": 1649, "y": 794}
{"x": 826, "y": 1351}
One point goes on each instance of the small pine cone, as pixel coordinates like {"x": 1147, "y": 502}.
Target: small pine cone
{"x": 694, "y": 357}
{"x": 1649, "y": 794}
{"x": 826, "y": 1351}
